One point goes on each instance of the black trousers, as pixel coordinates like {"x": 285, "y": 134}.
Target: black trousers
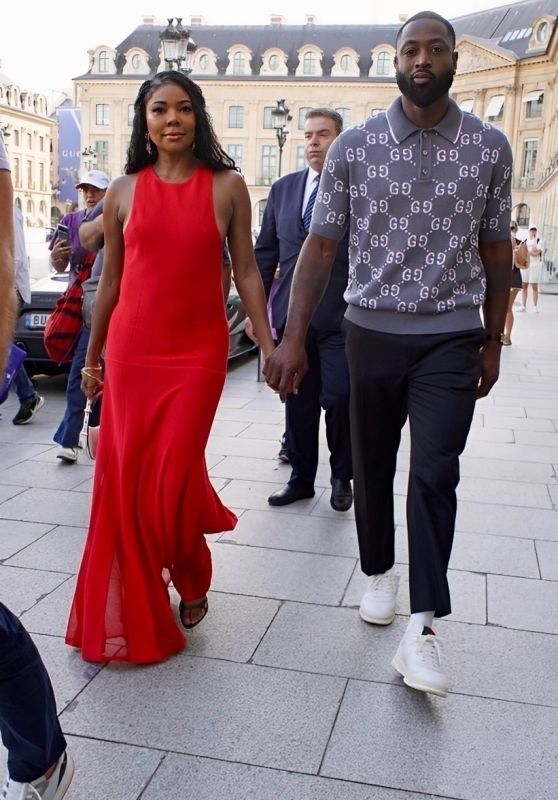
{"x": 432, "y": 380}
{"x": 29, "y": 725}
{"x": 325, "y": 385}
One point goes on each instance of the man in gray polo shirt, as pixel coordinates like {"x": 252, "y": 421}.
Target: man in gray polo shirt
{"x": 425, "y": 192}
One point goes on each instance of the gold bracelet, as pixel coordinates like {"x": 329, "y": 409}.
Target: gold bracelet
{"x": 96, "y": 369}
{"x": 87, "y": 374}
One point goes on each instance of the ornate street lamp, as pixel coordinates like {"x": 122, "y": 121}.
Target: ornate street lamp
{"x": 279, "y": 118}
{"x": 178, "y": 46}
{"x": 89, "y": 157}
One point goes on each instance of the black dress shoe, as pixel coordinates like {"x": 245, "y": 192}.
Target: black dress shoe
{"x": 289, "y": 494}
{"x": 283, "y": 455}
{"x": 341, "y": 494}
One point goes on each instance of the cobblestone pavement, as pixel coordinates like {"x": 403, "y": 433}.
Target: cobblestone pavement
{"x": 284, "y": 693}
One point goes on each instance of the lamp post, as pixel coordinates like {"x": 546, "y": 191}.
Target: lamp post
{"x": 89, "y": 157}
{"x": 178, "y": 46}
{"x": 279, "y": 118}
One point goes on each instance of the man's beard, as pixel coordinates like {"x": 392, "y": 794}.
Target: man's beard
{"x": 423, "y": 95}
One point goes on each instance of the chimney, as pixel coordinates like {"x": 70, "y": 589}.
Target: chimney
{"x": 311, "y": 19}
{"x": 148, "y": 19}
{"x": 277, "y": 19}
{"x": 403, "y": 17}
{"x": 197, "y": 19}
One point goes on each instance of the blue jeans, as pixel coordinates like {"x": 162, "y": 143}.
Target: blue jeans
{"x": 69, "y": 429}
{"x": 29, "y": 726}
{"x": 22, "y": 384}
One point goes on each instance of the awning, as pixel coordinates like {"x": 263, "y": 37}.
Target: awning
{"x": 532, "y": 97}
{"x": 466, "y": 105}
{"x": 494, "y": 106}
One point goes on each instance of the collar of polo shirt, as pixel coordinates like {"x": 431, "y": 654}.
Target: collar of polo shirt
{"x": 401, "y": 126}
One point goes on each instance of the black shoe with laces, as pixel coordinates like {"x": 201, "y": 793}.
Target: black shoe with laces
{"x": 28, "y": 409}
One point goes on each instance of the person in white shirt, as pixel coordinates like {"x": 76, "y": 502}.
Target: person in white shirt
{"x": 532, "y": 276}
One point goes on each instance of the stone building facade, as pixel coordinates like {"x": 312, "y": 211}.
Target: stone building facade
{"x": 30, "y": 137}
{"x": 507, "y": 74}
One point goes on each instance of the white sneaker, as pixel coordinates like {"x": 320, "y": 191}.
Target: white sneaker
{"x": 70, "y": 456}
{"x": 535, "y": 309}
{"x": 53, "y": 788}
{"x": 521, "y": 308}
{"x": 378, "y": 601}
{"x": 418, "y": 661}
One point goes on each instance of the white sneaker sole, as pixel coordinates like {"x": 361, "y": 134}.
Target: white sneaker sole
{"x": 376, "y": 620}
{"x": 397, "y": 664}
{"x": 67, "y": 459}
{"x": 66, "y": 778}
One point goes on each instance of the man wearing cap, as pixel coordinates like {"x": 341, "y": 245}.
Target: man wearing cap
{"x": 93, "y": 185}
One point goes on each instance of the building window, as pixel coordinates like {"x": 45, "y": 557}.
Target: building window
{"x": 130, "y": 114}
{"x": 309, "y": 64}
{"x": 29, "y": 165}
{"x": 346, "y": 63}
{"x": 383, "y": 63}
{"x": 300, "y": 157}
{"x": 302, "y": 116}
{"x": 203, "y": 63}
{"x": 533, "y": 104}
{"x": 523, "y": 215}
{"x": 273, "y": 62}
{"x": 235, "y": 152}
{"x": 239, "y": 64}
{"x": 42, "y": 143}
{"x": 542, "y": 32}
{"x": 29, "y": 142}
{"x": 42, "y": 183}
{"x": 268, "y": 119}
{"x": 495, "y": 108}
{"x": 103, "y": 61}
{"x": 136, "y": 61}
{"x": 16, "y": 138}
{"x": 102, "y": 150}
{"x": 530, "y": 151}
{"x": 236, "y": 116}
{"x": 345, "y": 115}
{"x": 101, "y": 114}
{"x": 269, "y": 162}
{"x": 17, "y": 173}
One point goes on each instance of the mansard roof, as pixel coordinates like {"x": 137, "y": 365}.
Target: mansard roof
{"x": 507, "y": 27}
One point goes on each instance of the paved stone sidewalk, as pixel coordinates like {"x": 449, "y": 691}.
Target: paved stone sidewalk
{"x": 284, "y": 693}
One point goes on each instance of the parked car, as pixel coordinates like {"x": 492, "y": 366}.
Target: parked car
{"x": 44, "y": 294}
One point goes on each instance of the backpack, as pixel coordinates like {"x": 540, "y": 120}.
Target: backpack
{"x": 65, "y": 323}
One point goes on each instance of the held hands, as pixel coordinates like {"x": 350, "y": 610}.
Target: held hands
{"x": 285, "y": 368}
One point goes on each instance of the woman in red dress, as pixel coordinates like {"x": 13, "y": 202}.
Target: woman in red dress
{"x": 160, "y": 300}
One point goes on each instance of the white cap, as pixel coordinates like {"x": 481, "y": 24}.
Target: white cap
{"x": 96, "y": 178}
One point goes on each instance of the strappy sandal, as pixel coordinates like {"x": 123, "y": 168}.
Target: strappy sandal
{"x": 202, "y": 605}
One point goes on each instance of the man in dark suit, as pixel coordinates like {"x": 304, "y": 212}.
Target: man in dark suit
{"x": 285, "y": 226}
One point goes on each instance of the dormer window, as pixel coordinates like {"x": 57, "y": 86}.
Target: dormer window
{"x": 104, "y": 61}
{"x": 239, "y": 63}
{"x": 542, "y": 32}
{"x": 204, "y": 62}
{"x": 383, "y": 63}
{"x": 346, "y": 63}
{"x": 136, "y": 61}
{"x": 274, "y": 62}
{"x": 309, "y": 63}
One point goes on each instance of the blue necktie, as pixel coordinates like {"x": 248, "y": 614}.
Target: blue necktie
{"x": 307, "y": 216}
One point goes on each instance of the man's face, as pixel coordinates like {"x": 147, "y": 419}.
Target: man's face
{"x": 425, "y": 62}
{"x": 319, "y": 132}
{"x": 92, "y": 195}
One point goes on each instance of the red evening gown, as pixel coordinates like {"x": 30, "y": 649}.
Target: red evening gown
{"x": 166, "y": 360}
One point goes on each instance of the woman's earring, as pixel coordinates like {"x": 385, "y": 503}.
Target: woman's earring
{"x": 193, "y": 145}
{"x": 148, "y": 143}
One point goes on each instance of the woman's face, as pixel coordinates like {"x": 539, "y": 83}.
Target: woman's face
{"x": 171, "y": 121}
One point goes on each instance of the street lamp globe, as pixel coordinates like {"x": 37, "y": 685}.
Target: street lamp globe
{"x": 177, "y": 45}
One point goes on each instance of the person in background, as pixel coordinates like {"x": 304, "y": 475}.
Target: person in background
{"x": 284, "y": 229}
{"x": 515, "y": 286}
{"x": 38, "y": 765}
{"x": 420, "y": 270}
{"x": 30, "y": 401}
{"x": 531, "y": 277}
{"x": 93, "y": 185}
